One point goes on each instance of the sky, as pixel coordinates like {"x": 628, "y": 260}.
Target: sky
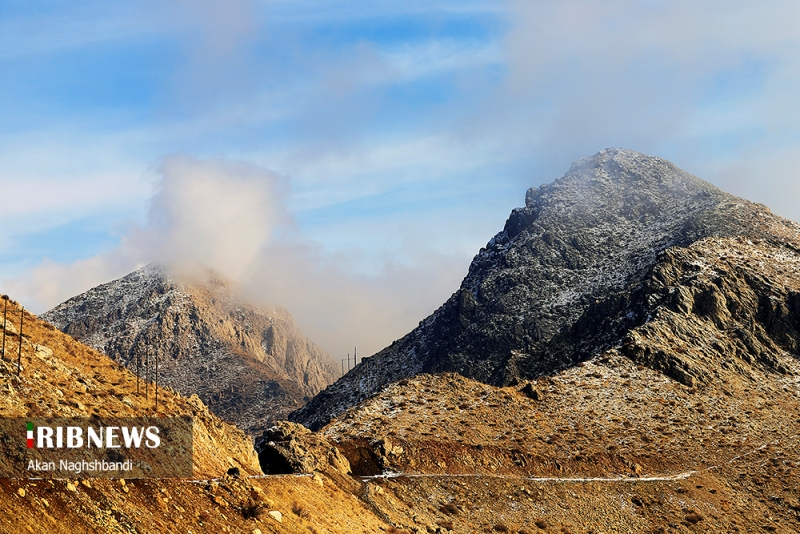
{"x": 347, "y": 159}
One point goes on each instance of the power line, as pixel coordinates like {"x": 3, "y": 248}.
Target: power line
{"x": 156, "y": 382}
{"x": 19, "y": 356}
{"x": 5, "y": 309}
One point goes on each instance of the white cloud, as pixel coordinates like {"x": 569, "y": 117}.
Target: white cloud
{"x": 231, "y": 217}
{"x": 51, "y": 283}
{"x": 766, "y": 174}
{"x": 338, "y": 308}
{"x": 213, "y": 213}
{"x": 75, "y": 25}
{"x": 324, "y": 11}
{"x": 711, "y": 87}
{"x": 57, "y": 176}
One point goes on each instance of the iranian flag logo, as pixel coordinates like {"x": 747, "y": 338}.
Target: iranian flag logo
{"x": 30, "y": 435}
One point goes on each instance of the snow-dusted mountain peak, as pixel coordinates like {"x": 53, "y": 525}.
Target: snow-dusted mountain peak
{"x": 565, "y": 278}
{"x": 250, "y": 364}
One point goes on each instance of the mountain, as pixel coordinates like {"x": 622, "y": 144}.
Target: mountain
{"x": 615, "y": 253}
{"x": 608, "y": 445}
{"x": 688, "y": 423}
{"x": 622, "y": 357}
{"x": 61, "y": 377}
{"x": 668, "y": 401}
{"x": 249, "y": 365}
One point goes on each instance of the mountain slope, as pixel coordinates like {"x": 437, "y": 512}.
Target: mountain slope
{"x": 250, "y": 365}
{"x": 61, "y": 377}
{"x": 570, "y": 274}
{"x": 604, "y": 446}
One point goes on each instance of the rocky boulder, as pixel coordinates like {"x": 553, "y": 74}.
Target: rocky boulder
{"x": 288, "y": 448}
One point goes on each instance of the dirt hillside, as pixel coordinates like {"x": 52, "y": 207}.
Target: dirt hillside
{"x": 60, "y": 376}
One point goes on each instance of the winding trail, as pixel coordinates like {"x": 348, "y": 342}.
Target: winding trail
{"x": 561, "y": 480}
{"x": 663, "y": 478}
{"x": 660, "y": 478}
{"x": 391, "y": 475}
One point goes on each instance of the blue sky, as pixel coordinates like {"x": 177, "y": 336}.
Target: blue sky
{"x": 381, "y": 145}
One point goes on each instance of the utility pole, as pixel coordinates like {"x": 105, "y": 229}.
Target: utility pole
{"x": 355, "y": 356}
{"x": 19, "y": 357}
{"x": 5, "y": 309}
{"x": 138, "y": 370}
{"x": 147, "y": 374}
{"x": 156, "y": 382}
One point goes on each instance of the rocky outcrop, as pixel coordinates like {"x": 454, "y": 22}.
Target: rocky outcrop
{"x": 718, "y": 306}
{"x": 570, "y": 275}
{"x": 288, "y": 448}
{"x": 250, "y": 365}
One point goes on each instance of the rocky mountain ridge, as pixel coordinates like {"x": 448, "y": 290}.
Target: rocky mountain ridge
{"x": 680, "y": 413}
{"x": 250, "y": 365}
{"x": 607, "y": 445}
{"x": 576, "y": 271}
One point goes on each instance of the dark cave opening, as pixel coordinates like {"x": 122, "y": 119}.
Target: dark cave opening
{"x": 272, "y": 462}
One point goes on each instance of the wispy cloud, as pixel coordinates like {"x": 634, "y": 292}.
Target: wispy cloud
{"x": 231, "y": 217}
{"x": 406, "y": 130}
{"x": 213, "y": 213}
{"x": 28, "y": 31}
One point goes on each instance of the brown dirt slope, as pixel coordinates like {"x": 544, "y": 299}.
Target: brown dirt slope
{"x": 62, "y": 377}
{"x": 609, "y": 447}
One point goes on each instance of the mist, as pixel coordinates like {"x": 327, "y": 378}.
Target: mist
{"x": 231, "y": 217}
{"x": 212, "y": 213}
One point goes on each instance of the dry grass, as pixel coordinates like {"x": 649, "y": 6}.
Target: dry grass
{"x": 300, "y": 511}
{"x": 252, "y": 509}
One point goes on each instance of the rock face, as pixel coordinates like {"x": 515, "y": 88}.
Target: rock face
{"x": 584, "y": 266}
{"x": 718, "y": 306}
{"x": 288, "y": 448}
{"x": 61, "y": 377}
{"x": 249, "y": 365}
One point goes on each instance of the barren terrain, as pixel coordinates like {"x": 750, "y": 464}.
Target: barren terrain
{"x": 60, "y": 376}
{"x": 622, "y": 357}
